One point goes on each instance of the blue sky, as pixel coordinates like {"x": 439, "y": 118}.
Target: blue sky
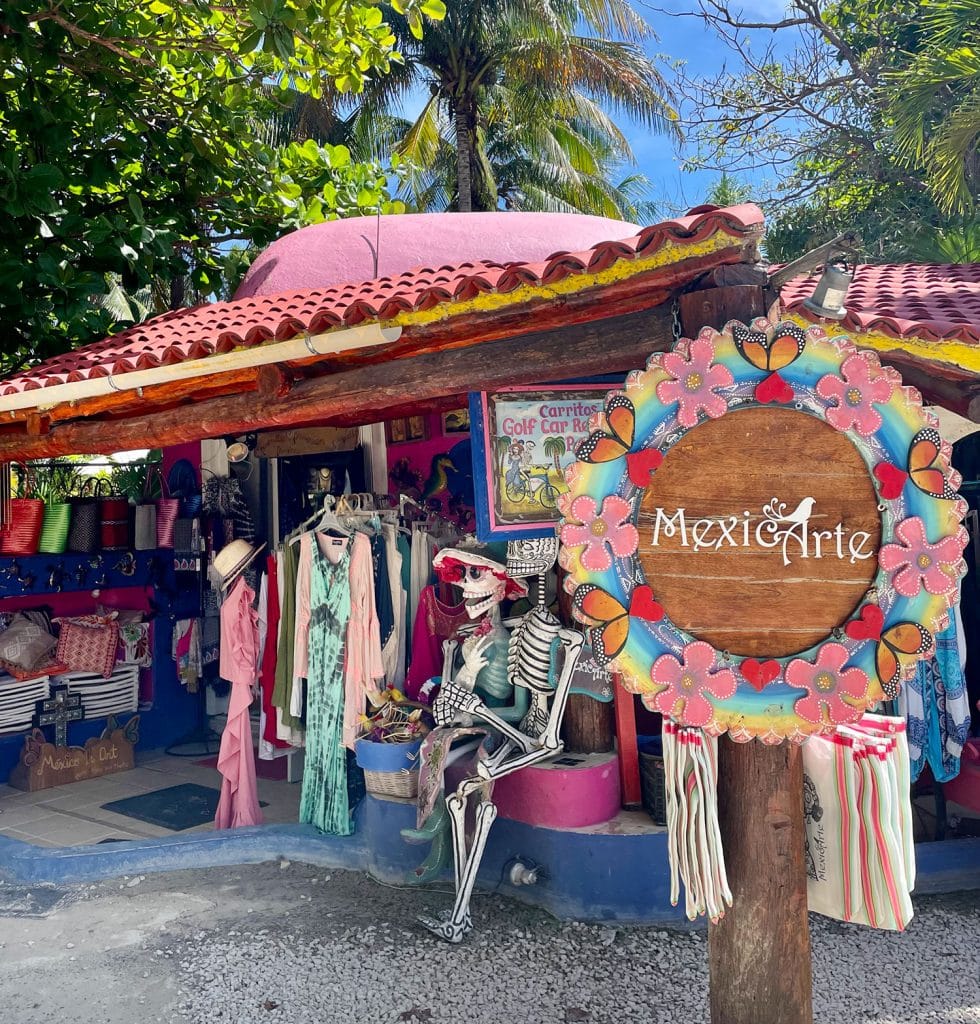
{"x": 686, "y": 39}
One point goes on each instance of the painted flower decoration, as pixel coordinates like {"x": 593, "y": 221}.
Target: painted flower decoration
{"x": 603, "y": 531}
{"x": 855, "y": 393}
{"x": 916, "y": 563}
{"x": 689, "y": 682}
{"x": 693, "y": 382}
{"x": 827, "y": 683}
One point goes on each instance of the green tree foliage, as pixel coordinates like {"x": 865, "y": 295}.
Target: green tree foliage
{"x": 129, "y": 151}
{"x": 520, "y": 105}
{"x": 935, "y": 103}
{"x": 848, "y": 104}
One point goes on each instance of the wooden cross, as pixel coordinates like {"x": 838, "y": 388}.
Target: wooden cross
{"x": 58, "y": 710}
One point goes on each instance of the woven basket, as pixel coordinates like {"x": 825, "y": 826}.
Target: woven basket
{"x": 653, "y": 786}
{"x": 404, "y": 784}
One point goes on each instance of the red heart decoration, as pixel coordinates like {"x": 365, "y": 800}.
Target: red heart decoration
{"x": 759, "y": 674}
{"x": 640, "y": 465}
{"x": 643, "y": 606}
{"x": 774, "y": 389}
{"x": 891, "y": 478}
{"x": 867, "y": 626}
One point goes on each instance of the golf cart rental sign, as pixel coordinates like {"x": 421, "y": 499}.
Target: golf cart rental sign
{"x": 762, "y": 532}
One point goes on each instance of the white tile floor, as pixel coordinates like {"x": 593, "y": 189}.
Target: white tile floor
{"x": 73, "y": 815}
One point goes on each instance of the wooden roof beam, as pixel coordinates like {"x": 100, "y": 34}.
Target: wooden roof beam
{"x": 363, "y": 394}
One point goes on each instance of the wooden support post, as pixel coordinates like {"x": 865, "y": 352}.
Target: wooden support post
{"x": 626, "y": 748}
{"x": 759, "y": 953}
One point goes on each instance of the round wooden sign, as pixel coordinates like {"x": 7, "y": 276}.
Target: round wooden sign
{"x": 759, "y": 532}
{"x": 762, "y": 532}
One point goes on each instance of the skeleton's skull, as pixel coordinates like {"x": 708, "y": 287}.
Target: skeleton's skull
{"x": 483, "y": 580}
{"x": 531, "y": 557}
{"x": 482, "y": 589}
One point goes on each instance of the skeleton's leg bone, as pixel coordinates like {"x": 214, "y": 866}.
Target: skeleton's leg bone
{"x": 459, "y": 922}
{"x": 456, "y": 805}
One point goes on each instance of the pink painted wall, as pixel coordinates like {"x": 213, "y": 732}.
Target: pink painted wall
{"x": 411, "y": 471}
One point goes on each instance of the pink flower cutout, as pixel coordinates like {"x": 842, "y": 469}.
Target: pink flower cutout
{"x": 689, "y": 682}
{"x": 855, "y": 394}
{"x": 827, "y": 683}
{"x": 601, "y": 531}
{"x": 916, "y": 563}
{"x": 693, "y": 383}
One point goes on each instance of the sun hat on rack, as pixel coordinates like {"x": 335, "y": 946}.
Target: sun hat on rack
{"x": 231, "y": 561}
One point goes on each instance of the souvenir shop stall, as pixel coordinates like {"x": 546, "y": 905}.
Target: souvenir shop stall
{"x": 451, "y": 560}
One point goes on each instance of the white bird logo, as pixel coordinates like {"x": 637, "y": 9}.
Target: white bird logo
{"x": 802, "y": 512}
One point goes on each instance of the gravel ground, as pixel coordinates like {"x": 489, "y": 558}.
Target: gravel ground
{"x": 292, "y": 944}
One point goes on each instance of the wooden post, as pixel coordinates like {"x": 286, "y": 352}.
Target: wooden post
{"x": 759, "y": 953}
{"x": 626, "y": 745}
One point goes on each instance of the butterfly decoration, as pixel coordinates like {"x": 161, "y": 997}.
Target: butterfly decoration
{"x": 926, "y": 465}
{"x": 907, "y": 639}
{"x": 611, "y": 619}
{"x": 770, "y": 354}
{"x": 904, "y": 638}
{"x": 617, "y": 441}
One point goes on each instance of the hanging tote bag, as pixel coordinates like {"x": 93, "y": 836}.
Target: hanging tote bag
{"x": 55, "y": 527}
{"x": 22, "y": 530}
{"x": 114, "y": 516}
{"x": 146, "y": 514}
{"x": 167, "y": 509}
{"x": 84, "y": 532}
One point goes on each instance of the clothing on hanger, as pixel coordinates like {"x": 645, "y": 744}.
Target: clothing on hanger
{"x": 269, "y": 742}
{"x": 363, "y": 668}
{"x": 324, "y": 801}
{"x": 238, "y": 804}
{"x": 435, "y": 623}
{"x": 936, "y": 707}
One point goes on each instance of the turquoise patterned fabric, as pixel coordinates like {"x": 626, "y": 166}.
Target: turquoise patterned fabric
{"x": 324, "y": 801}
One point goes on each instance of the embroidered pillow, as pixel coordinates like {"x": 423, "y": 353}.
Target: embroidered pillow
{"x": 51, "y": 668}
{"x": 92, "y": 619}
{"x": 88, "y": 648}
{"x": 25, "y": 644}
{"x": 41, "y": 617}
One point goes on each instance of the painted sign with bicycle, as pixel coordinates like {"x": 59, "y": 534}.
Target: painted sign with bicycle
{"x": 524, "y": 439}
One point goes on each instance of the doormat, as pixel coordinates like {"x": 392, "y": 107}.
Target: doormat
{"x": 272, "y": 771}
{"x": 176, "y": 807}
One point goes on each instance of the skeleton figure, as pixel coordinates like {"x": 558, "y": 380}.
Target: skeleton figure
{"x": 532, "y": 643}
{"x": 485, "y": 583}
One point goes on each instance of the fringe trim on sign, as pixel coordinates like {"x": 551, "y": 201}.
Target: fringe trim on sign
{"x": 693, "y": 834}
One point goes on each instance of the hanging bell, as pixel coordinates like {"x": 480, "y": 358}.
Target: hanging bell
{"x": 827, "y": 300}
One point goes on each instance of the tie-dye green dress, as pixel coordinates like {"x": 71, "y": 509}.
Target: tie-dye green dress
{"x": 324, "y": 799}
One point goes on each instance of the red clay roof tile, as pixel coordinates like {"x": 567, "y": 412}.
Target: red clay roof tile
{"x": 934, "y": 301}
{"x": 197, "y": 332}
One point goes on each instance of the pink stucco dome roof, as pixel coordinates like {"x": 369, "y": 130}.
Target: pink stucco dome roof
{"x": 343, "y": 250}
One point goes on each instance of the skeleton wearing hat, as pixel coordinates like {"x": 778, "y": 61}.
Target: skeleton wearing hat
{"x": 494, "y": 664}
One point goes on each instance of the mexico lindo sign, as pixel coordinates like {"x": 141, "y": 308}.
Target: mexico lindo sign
{"x": 762, "y": 532}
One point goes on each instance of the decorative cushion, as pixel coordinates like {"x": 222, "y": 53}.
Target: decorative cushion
{"x": 41, "y": 617}
{"x": 92, "y": 619}
{"x": 50, "y": 668}
{"x": 25, "y": 644}
{"x": 88, "y": 648}
{"x": 5, "y": 618}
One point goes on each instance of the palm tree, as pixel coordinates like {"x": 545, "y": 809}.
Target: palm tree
{"x": 935, "y": 104}
{"x": 728, "y": 191}
{"x": 555, "y": 447}
{"x": 514, "y": 102}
